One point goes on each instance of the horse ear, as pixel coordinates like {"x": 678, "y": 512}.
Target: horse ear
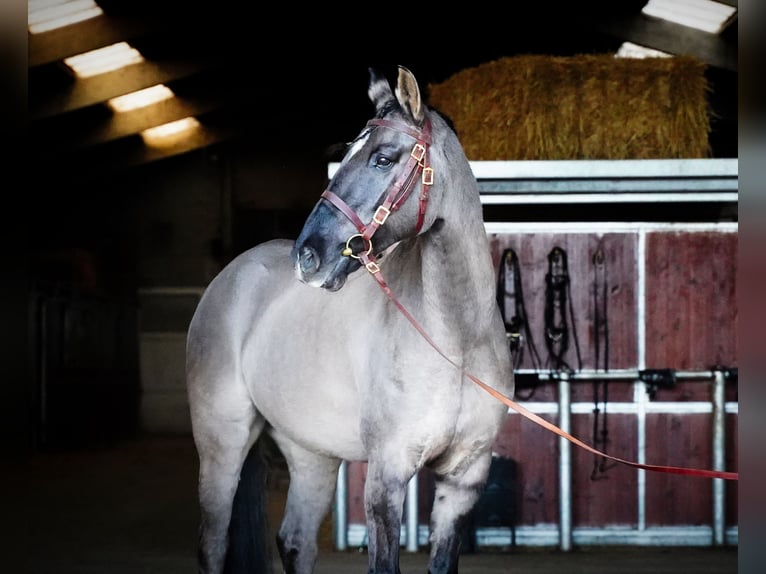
{"x": 379, "y": 90}
{"x": 408, "y": 94}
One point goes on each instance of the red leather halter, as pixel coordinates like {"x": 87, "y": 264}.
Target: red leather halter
{"x": 417, "y": 165}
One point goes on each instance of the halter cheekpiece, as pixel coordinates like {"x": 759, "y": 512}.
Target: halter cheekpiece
{"x": 417, "y": 165}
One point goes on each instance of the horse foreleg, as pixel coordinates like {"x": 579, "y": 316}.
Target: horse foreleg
{"x": 454, "y": 498}
{"x": 383, "y": 501}
{"x": 313, "y": 478}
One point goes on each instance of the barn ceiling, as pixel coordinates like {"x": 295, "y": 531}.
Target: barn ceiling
{"x": 278, "y": 76}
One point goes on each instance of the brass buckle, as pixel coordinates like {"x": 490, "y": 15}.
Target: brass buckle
{"x": 381, "y": 219}
{"x": 418, "y": 152}
{"x": 428, "y": 176}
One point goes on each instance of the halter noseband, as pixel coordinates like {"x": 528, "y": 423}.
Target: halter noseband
{"x": 417, "y": 164}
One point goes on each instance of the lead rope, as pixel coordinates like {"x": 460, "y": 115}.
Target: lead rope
{"x": 528, "y": 414}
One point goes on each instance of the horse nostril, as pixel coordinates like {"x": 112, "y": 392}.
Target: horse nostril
{"x": 308, "y": 259}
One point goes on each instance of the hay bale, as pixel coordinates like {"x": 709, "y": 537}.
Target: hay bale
{"x": 579, "y": 107}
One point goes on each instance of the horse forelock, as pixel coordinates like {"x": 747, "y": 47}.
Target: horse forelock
{"x": 358, "y": 143}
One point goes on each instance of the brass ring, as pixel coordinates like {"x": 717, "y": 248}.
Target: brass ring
{"x": 348, "y": 252}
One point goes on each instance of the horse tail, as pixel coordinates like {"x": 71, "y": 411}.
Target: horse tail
{"x": 249, "y": 548}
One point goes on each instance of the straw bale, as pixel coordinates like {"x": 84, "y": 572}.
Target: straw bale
{"x": 579, "y": 107}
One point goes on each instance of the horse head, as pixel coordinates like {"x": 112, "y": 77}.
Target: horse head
{"x": 379, "y": 193}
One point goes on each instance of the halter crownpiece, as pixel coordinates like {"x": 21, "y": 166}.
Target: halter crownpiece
{"x": 417, "y": 164}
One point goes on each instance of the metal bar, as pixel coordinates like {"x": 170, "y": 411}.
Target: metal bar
{"x": 639, "y": 388}
{"x": 560, "y": 198}
{"x": 599, "y": 169}
{"x": 625, "y": 375}
{"x": 341, "y": 507}
{"x": 547, "y": 227}
{"x": 412, "y": 514}
{"x": 719, "y": 450}
{"x": 690, "y": 188}
{"x": 689, "y": 169}
{"x": 641, "y": 398}
{"x": 565, "y": 467}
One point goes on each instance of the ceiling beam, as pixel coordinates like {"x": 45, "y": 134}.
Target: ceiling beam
{"x": 98, "y": 89}
{"x": 98, "y": 32}
{"x": 675, "y": 39}
{"x": 109, "y": 159}
{"x": 120, "y": 125}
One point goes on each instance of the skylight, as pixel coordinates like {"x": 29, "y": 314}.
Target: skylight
{"x": 705, "y": 15}
{"x": 170, "y": 133}
{"x": 104, "y": 60}
{"x": 141, "y": 98}
{"x": 631, "y": 50}
{"x": 46, "y": 15}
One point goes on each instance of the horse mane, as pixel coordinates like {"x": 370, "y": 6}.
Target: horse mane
{"x": 445, "y": 117}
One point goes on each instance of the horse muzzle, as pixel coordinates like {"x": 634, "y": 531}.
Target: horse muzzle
{"x": 315, "y": 270}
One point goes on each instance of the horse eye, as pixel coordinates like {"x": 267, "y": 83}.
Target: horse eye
{"x": 382, "y": 161}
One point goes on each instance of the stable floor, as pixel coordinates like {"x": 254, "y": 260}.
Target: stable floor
{"x": 129, "y": 507}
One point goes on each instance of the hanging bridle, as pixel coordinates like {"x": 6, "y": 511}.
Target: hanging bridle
{"x": 417, "y": 165}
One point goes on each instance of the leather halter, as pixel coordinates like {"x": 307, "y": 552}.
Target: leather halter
{"x": 417, "y": 165}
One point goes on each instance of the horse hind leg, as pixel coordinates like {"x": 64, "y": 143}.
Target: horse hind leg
{"x": 455, "y": 495}
{"x": 313, "y": 478}
{"x": 223, "y": 442}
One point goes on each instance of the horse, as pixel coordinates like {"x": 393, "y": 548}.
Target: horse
{"x": 298, "y": 341}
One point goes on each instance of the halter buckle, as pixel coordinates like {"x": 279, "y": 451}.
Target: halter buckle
{"x": 418, "y": 152}
{"x": 428, "y": 176}
{"x": 372, "y": 267}
{"x": 381, "y": 214}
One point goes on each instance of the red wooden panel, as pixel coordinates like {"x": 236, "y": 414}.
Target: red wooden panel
{"x": 357, "y": 472}
{"x": 607, "y": 497}
{"x": 691, "y": 306}
{"x": 678, "y": 440}
{"x": 536, "y": 452}
{"x": 686, "y": 391}
{"x": 581, "y": 391}
{"x": 610, "y": 391}
{"x": 620, "y": 252}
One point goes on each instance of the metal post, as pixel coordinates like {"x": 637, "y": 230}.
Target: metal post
{"x": 412, "y": 514}
{"x": 639, "y": 388}
{"x": 341, "y": 510}
{"x": 640, "y": 397}
{"x": 719, "y": 434}
{"x": 565, "y": 466}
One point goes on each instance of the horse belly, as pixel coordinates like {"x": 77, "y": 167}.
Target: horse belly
{"x": 298, "y": 378}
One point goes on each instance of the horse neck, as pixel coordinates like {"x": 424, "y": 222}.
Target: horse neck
{"x": 455, "y": 279}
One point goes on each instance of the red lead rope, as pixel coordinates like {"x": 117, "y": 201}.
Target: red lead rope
{"x": 528, "y": 414}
